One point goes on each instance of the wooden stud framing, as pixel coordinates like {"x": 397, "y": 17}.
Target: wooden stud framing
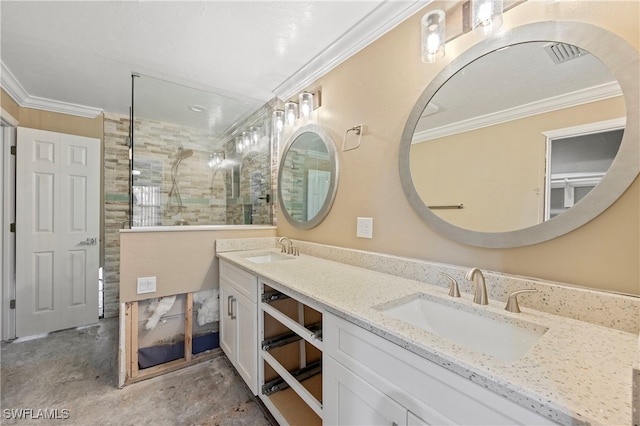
{"x": 188, "y": 327}
{"x": 134, "y": 341}
{"x": 133, "y": 373}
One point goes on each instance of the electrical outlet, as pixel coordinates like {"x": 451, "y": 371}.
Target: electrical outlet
{"x": 146, "y": 285}
{"x": 365, "y": 227}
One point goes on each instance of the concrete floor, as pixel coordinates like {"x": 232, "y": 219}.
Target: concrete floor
{"x": 76, "y": 370}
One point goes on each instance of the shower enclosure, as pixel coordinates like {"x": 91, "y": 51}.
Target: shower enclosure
{"x": 197, "y": 157}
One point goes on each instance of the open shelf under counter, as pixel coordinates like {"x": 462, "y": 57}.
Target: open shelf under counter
{"x": 290, "y": 357}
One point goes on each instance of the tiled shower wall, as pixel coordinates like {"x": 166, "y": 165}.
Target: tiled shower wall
{"x": 116, "y": 200}
{"x": 206, "y": 193}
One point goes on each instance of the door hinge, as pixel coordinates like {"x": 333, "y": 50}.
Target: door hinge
{"x": 12, "y": 227}
{"x": 13, "y": 149}
{"x": 12, "y": 304}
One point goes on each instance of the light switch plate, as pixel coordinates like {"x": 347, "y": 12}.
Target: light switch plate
{"x": 146, "y": 285}
{"x": 365, "y": 227}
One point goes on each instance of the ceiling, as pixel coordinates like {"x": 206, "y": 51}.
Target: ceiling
{"x": 78, "y": 56}
{"x": 513, "y": 83}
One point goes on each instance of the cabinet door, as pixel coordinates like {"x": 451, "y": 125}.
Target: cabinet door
{"x": 246, "y": 314}
{"x": 227, "y": 325}
{"x": 349, "y": 400}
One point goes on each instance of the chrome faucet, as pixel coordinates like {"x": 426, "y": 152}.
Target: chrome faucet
{"x": 454, "y": 290}
{"x": 281, "y": 241}
{"x": 480, "y": 292}
{"x": 512, "y": 300}
{"x": 290, "y": 249}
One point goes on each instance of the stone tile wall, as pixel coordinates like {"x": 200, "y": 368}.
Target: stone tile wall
{"x": 116, "y": 204}
{"x": 205, "y": 192}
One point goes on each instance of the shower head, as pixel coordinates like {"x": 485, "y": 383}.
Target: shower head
{"x": 181, "y": 154}
{"x": 184, "y": 153}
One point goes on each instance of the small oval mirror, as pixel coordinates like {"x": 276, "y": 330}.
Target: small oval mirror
{"x": 308, "y": 177}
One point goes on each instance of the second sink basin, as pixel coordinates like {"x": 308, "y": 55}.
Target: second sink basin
{"x": 268, "y": 257}
{"x": 505, "y": 339}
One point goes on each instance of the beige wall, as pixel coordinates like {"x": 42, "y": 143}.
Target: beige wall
{"x": 181, "y": 261}
{"x": 9, "y": 104}
{"x": 378, "y": 88}
{"x": 497, "y": 172}
{"x": 52, "y": 121}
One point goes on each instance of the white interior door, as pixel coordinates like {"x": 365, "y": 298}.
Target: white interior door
{"x": 8, "y": 215}
{"x": 57, "y": 230}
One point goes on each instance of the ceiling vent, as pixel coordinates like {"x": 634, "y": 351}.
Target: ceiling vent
{"x": 563, "y": 52}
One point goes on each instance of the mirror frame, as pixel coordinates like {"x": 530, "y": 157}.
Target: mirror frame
{"x": 333, "y": 183}
{"x": 622, "y": 61}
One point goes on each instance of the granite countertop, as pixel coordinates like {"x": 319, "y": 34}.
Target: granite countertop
{"x": 576, "y": 372}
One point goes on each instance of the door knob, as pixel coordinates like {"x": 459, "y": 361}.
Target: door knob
{"x": 90, "y": 242}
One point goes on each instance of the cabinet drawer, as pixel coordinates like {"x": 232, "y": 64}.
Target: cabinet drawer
{"x": 246, "y": 283}
{"x": 433, "y": 393}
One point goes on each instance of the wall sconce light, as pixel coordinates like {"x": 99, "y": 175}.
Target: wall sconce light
{"x": 433, "y": 36}
{"x": 246, "y": 140}
{"x": 306, "y": 104}
{"x": 278, "y": 120}
{"x": 239, "y": 144}
{"x": 486, "y": 16}
{"x": 216, "y": 159}
{"x": 255, "y": 135}
{"x": 290, "y": 113}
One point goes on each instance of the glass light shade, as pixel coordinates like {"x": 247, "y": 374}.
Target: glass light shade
{"x": 246, "y": 140}
{"x": 306, "y": 104}
{"x": 486, "y": 16}
{"x": 290, "y": 113}
{"x": 278, "y": 120}
{"x": 255, "y": 135}
{"x": 239, "y": 145}
{"x": 433, "y": 36}
{"x": 216, "y": 159}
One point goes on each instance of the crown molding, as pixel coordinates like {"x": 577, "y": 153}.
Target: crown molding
{"x": 381, "y": 20}
{"x": 14, "y": 89}
{"x": 579, "y": 97}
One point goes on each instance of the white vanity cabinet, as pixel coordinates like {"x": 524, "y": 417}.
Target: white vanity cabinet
{"x": 239, "y": 321}
{"x": 367, "y": 379}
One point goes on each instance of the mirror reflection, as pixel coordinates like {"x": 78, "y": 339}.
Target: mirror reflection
{"x": 307, "y": 177}
{"x": 517, "y": 136}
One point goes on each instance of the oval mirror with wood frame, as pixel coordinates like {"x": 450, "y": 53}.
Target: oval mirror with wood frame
{"x": 524, "y": 137}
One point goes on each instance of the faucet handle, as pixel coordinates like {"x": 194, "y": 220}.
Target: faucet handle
{"x": 512, "y": 300}
{"x": 454, "y": 290}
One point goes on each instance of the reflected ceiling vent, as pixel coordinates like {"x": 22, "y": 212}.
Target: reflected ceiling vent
{"x": 563, "y": 52}
{"x": 430, "y": 109}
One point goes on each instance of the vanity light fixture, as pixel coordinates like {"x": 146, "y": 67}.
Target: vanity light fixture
{"x": 216, "y": 159}
{"x": 255, "y": 135}
{"x": 239, "y": 144}
{"x": 306, "y": 104}
{"x": 246, "y": 140}
{"x": 278, "y": 120}
{"x": 433, "y": 36}
{"x": 486, "y": 16}
{"x": 290, "y": 113}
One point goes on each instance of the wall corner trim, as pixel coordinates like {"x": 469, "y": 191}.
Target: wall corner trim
{"x": 381, "y": 20}
{"x": 14, "y": 89}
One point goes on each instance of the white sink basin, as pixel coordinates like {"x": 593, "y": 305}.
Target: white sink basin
{"x": 507, "y": 340}
{"x": 268, "y": 257}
